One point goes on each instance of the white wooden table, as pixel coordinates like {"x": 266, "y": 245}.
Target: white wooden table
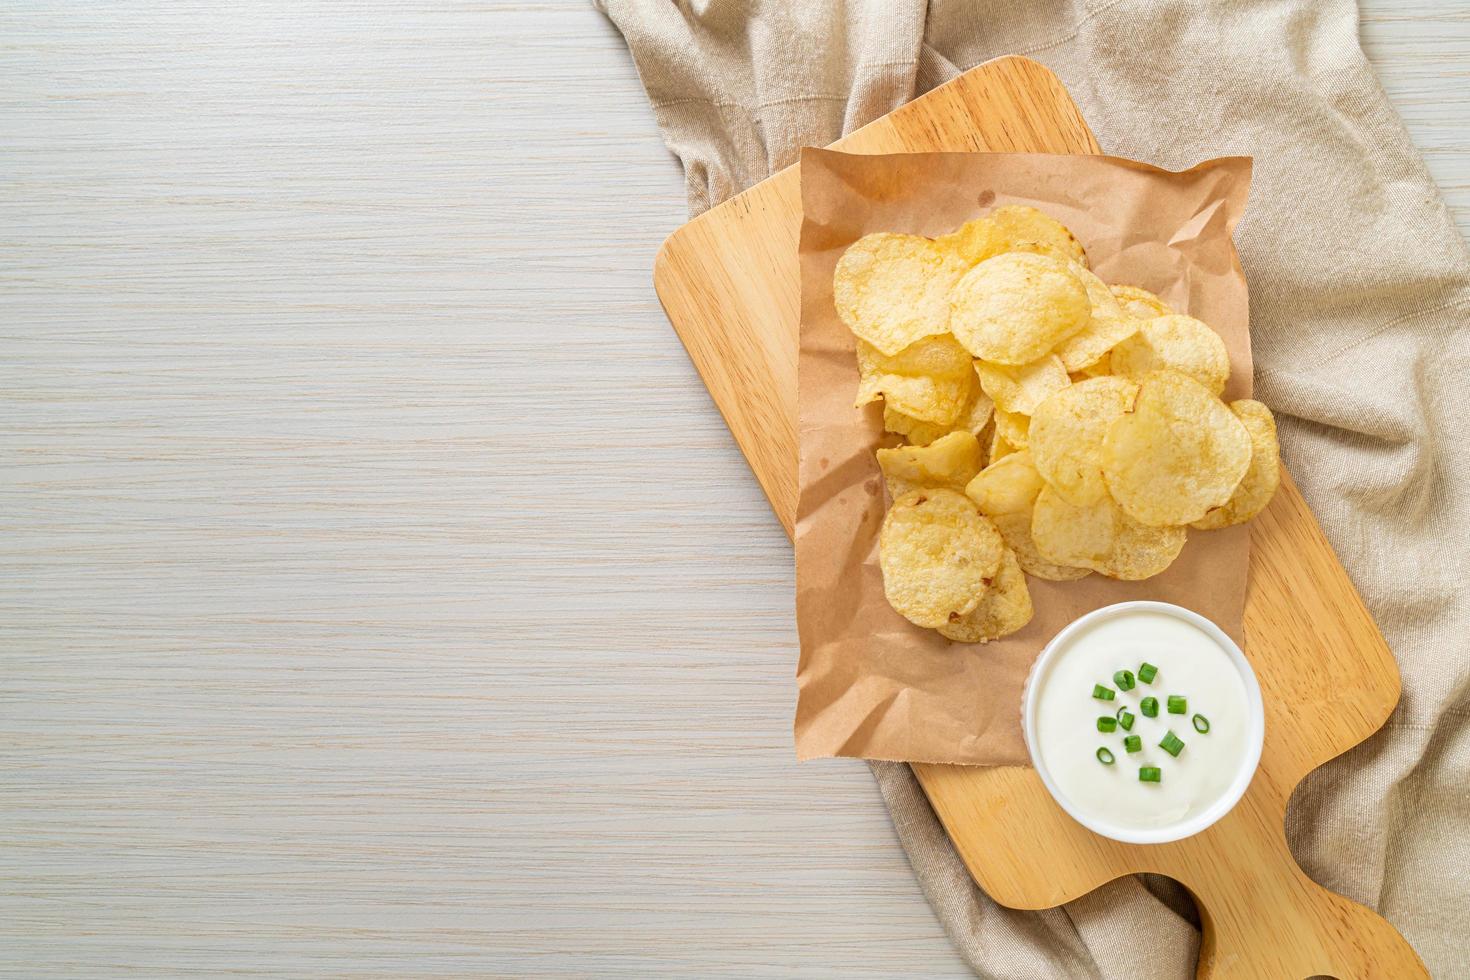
{"x": 380, "y": 593}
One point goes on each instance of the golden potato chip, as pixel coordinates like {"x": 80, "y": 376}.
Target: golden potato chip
{"x": 1020, "y": 223}
{"x": 1178, "y": 455}
{"x": 975, "y": 241}
{"x": 1020, "y": 389}
{"x": 917, "y": 433}
{"x": 1101, "y": 537}
{"x": 1108, "y": 327}
{"x": 1077, "y": 537}
{"x": 1067, "y": 431}
{"x": 1015, "y": 530}
{"x": 1140, "y": 551}
{"x": 999, "y": 448}
{"x": 938, "y": 556}
{"x": 1006, "y": 486}
{"x": 1174, "y": 343}
{"x": 949, "y": 461}
{"x": 929, "y": 380}
{"x": 1005, "y": 491}
{"x": 1139, "y": 303}
{"x": 1016, "y": 307}
{"x": 1013, "y": 428}
{"x": 1259, "y": 484}
{"x": 893, "y": 290}
{"x": 1013, "y": 228}
{"x": 939, "y": 356}
{"x": 1005, "y": 607}
{"x": 973, "y": 418}
{"x": 1100, "y": 368}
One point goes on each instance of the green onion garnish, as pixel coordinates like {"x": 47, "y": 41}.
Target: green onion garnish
{"x": 1125, "y": 721}
{"x": 1147, "y": 672}
{"x": 1102, "y": 693}
{"x": 1172, "y": 743}
{"x": 1133, "y": 743}
{"x": 1104, "y": 756}
{"x": 1201, "y": 724}
{"x": 1106, "y": 724}
{"x": 1124, "y": 679}
{"x": 1178, "y": 704}
{"x": 1149, "y": 774}
{"x": 1149, "y": 707}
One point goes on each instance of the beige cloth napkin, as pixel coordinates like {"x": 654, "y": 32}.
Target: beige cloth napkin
{"x": 1360, "y": 289}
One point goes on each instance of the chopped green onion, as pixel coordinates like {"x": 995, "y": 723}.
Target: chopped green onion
{"x": 1124, "y": 679}
{"x": 1125, "y": 721}
{"x": 1178, "y": 704}
{"x": 1172, "y": 743}
{"x": 1201, "y": 724}
{"x": 1133, "y": 743}
{"x": 1149, "y": 774}
{"x": 1102, "y": 693}
{"x": 1149, "y": 707}
{"x": 1106, "y": 724}
{"x": 1147, "y": 672}
{"x": 1104, "y": 756}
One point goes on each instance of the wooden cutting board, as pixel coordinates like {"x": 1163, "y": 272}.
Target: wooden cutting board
{"x": 729, "y": 283}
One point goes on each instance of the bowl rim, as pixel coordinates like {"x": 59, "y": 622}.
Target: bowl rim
{"x": 1255, "y": 728}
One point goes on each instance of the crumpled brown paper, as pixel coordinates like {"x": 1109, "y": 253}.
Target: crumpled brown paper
{"x": 872, "y": 684}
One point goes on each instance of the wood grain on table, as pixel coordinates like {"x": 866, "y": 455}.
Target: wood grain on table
{"x": 380, "y": 592}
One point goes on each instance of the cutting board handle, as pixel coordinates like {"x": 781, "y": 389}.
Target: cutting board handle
{"x": 1266, "y": 918}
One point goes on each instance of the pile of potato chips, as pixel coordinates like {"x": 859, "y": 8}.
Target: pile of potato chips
{"x": 1055, "y": 425}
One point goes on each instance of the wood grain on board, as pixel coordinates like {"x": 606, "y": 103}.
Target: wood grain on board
{"x": 729, "y": 283}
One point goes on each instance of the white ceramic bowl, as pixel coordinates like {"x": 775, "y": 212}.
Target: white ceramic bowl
{"x": 1255, "y": 728}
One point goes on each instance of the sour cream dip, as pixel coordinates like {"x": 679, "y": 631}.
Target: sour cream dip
{"x": 1091, "y": 772}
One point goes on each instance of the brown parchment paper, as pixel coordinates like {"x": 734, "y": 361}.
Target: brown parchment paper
{"x": 872, "y": 684}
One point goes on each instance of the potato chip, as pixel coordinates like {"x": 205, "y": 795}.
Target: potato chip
{"x": 1067, "y": 431}
{"x": 1178, "y": 455}
{"x": 1139, "y": 303}
{"x": 1101, "y": 537}
{"x": 1005, "y": 492}
{"x": 1015, "y": 530}
{"x": 1140, "y": 551}
{"x": 1020, "y": 223}
{"x": 1108, "y": 327}
{"x": 1100, "y": 368}
{"x": 1259, "y": 484}
{"x": 1004, "y": 609}
{"x": 893, "y": 290}
{"x": 1013, "y": 428}
{"x": 939, "y": 356}
{"x": 1006, "y": 486}
{"x": 929, "y": 380}
{"x": 1013, "y": 228}
{"x": 1174, "y": 343}
{"x": 917, "y": 433}
{"x": 973, "y": 418}
{"x": 938, "y": 556}
{"x": 1077, "y": 537}
{"x": 976, "y": 414}
{"x": 1020, "y": 389}
{"x": 975, "y": 241}
{"x": 1016, "y": 307}
{"x": 949, "y": 461}
{"x": 999, "y": 447}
